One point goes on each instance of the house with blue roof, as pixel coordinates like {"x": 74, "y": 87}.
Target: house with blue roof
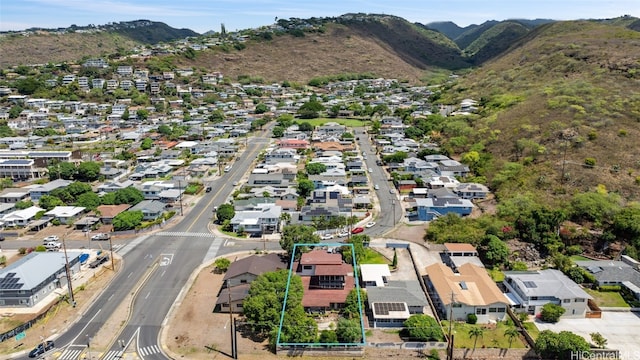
{"x": 428, "y": 209}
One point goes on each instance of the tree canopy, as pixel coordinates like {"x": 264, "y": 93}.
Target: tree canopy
{"x": 550, "y": 345}
{"x": 423, "y": 328}
{"x": 225, "y": 212}
{"x": 297, "y": 234}
{"x": 314, "y": 168}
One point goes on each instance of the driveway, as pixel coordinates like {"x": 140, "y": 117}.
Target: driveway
{"x": 621, "y": 330}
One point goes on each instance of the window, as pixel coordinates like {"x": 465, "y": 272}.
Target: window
{"x": 566, "y": 300}
{"x": 457, "y": 305}
{"x": 225, "y": 305}
{"x": 534, "y": 298}
{"x": 501, "y": 310}
{"x": 579, "y": 300}
{"x": 481, "y": 311}
{"x": 492, "y": 310}
{"x": 307, "y": 267}
{"x": 243, "y": 281}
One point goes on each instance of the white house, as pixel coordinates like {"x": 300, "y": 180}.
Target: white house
{"x": 21, "y": 217}
{"x": 66, "y": 214}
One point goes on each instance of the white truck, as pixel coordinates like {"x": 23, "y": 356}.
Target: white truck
{"x": 52, "y": 245}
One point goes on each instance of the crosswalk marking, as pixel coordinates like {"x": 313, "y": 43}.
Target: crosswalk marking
{"x": 149, "y": 350}
{"x": 113, "y": 354}
{"x": 186, "y": 234}
{"x": 70, "y": 354}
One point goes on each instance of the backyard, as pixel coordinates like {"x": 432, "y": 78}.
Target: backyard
{"x": 607, "y": 298}
{"x": 493, "y": 336}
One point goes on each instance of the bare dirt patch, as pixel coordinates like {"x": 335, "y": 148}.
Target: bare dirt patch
{"x": 409, "y": 232}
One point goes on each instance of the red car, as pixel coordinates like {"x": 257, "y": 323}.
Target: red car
{"x": 357, "y": 230}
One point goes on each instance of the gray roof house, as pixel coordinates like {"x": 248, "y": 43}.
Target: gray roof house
{"x": 113, "y": 186}
{"x": 392, "y": 304}
{"x": 151, "y": 209}
{"x": 530, "y": 290}
{"x": 609, "y": 272}
{"x": 265, "y": 219}
{"x": 45, "y": 189}
{"x": 30, "y": 279}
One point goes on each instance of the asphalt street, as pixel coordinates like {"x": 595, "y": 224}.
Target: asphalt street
{"x": 157, "y": 266}
{"x": 165, "y": 261}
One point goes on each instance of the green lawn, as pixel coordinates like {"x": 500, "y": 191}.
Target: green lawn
{"x": 579, "y": 258}
{"x": 373, "y": 257}
{"x": 532, "y": 329}
{"x": 322, "y": 121}
{"x": 493, "y": 337}
{"x": 607, "y": 298}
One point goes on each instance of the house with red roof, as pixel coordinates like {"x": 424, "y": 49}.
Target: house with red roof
{"x": 293, "y": 144}
{"x": 326, "y": 280}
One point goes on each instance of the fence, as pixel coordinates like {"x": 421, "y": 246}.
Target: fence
{"x": 594, "y": 311}
{"x": 27, "y": 325}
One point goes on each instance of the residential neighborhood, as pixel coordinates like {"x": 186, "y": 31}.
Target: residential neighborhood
{"x": 307, "y": 192}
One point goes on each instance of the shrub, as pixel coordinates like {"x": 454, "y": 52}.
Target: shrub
{"x": 551, "y": 312}
{"x": 472, "y": 319}
{"x": 589, "y": 162}
{"x": 609, "y": 288}
{"x": 22, "y": 251}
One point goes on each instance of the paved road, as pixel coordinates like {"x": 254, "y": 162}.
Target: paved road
{"x": 165, "y": 260}
{"x": 390, "y": 207}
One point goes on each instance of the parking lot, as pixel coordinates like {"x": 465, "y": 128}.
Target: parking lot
{"x": 621, "y": 330}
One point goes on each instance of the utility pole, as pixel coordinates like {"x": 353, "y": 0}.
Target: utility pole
{"x": 113, "y": 264}
{"x": 68, "y": 271}
{"x": 180, "y": 197}
{"x": 450, "y": 347}
{"x": 231, "y": 325}
{"x": 393, "y": 203}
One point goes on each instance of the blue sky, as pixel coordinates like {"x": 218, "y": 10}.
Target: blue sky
{"x": 204, "y": 15}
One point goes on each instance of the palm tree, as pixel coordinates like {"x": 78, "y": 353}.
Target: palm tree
{"x": 475, "y": 332}
{"x": 511, "y": 333}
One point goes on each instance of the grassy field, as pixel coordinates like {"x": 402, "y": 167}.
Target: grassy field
{"x": 346, "y": 122}
{"x": 579, "y": 258}
{"x": 607, "y": 298}
{"x": 373, "y": 257}
{"x": 493, "y": 336}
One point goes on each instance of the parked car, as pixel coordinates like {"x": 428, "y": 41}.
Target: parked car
{"x": 370, "y": 170}
{"x": 235, "y": 183}
{"x": 370, "y": 224}
{"x": 101, "y": 236}
{"x": 391, "y": 191}
{"x": 343, "y": 234}
{"x": 99, "y": 261}
{"x": 2, "y": 237}
{"x": 208, "y": 189}
{"x": 357, "y": 230}
{"x": 376, "y": 186}
{"x": 41, "y": 349}
{"x": 326, "y": 237}
{"x": 51, "y": 238}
